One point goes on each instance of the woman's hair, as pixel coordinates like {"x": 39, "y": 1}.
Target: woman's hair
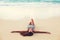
{"x": 26, "y": 33}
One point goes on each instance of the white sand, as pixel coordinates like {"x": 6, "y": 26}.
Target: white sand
{"x": 46, "y": 17}
{"x": 51, "y": 25}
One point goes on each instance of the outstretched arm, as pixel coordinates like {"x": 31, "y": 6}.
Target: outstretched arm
{"x": 18, "y": 31}
{"x": 41, "y": 32}
{"x": 23, "y": 33}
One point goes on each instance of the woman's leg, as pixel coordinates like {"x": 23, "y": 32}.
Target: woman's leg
{"x": 31, "y": 25}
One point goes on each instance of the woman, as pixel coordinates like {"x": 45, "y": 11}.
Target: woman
{"x": 30, "y": 30}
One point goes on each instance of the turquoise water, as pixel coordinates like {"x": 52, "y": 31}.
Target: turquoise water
{"x": 49, "y": 1}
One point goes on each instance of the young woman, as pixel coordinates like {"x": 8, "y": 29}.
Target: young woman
{"x": 30, "y": 30}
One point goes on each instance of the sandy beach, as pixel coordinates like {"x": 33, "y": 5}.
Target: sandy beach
{"x": 46, "y": 17}
{"x": 51, "y": 25}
